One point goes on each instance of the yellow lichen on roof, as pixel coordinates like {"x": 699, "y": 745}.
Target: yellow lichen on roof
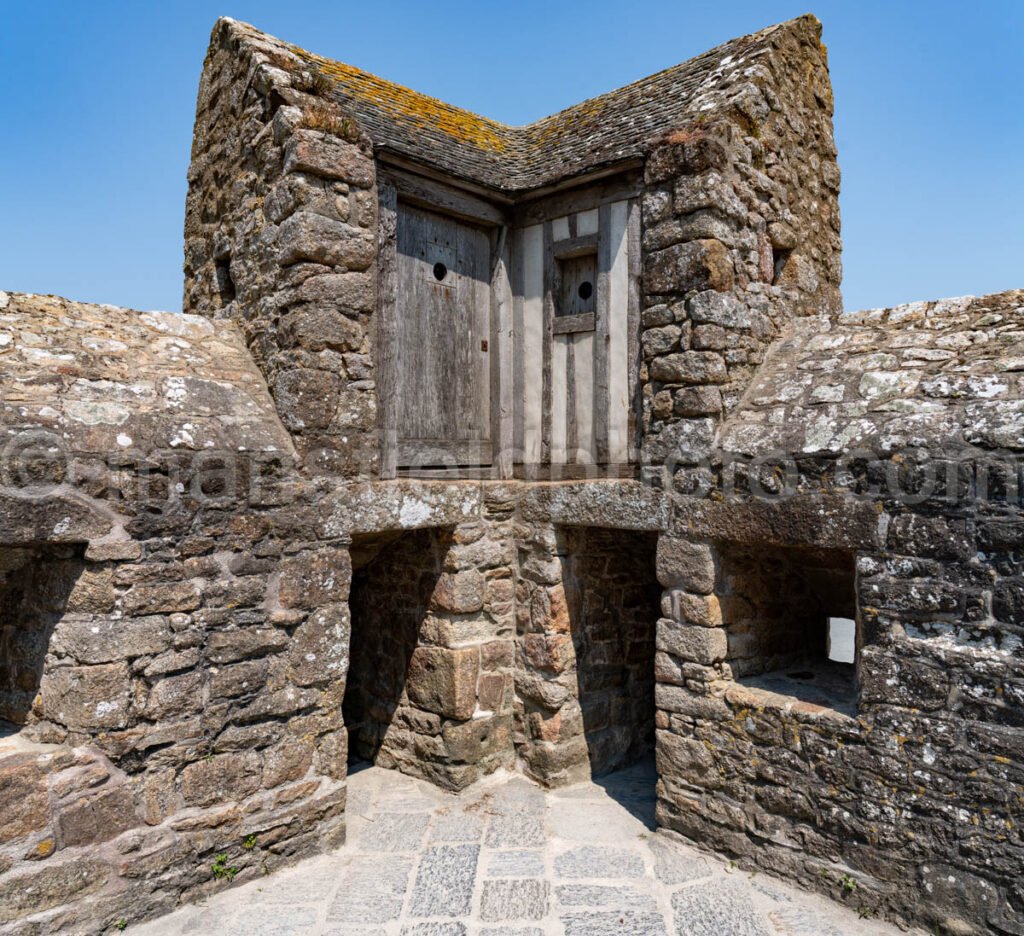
{"x": 410, "y": 106}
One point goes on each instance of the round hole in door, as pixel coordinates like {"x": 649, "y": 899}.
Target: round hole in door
{"x": 586, "y": 290}
{"x": 440, "y": 271}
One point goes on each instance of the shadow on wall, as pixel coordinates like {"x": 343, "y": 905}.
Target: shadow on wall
{"x": 613, "y": 599}
{"x": 393, "y": 577}
{"x": 36, "y": 583}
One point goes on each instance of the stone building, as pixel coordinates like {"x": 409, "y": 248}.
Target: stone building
{"x": 535, "y": 448}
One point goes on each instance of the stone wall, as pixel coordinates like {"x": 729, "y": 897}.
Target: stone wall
{"x": 168, "y": 571}
{"x": 740, "y": 234}
{"x": 587, "y": 602}
{"x": 281, "y": 237}
{"x": 908, "y": 804}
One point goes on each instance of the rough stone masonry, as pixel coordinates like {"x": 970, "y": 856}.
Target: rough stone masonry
{"x": 246, "y": 544}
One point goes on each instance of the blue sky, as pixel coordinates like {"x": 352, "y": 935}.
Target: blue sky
{"x": 100, "y": 97}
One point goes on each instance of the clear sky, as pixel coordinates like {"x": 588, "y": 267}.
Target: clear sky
{"x": 100, "y": 96}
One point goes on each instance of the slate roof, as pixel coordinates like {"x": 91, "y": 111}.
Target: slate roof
{"x": 938, "y": 376}
{"x": 599, "y": 132}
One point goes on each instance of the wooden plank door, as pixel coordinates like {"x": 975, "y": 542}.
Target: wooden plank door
{"x": 440, "y": 359}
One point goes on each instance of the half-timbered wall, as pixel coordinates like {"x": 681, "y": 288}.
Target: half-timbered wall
{"x": 575, "y": 333}
{"x": 523, "y": 353}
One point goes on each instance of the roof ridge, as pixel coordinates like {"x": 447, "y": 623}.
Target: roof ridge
{"x": 600, "y": 131}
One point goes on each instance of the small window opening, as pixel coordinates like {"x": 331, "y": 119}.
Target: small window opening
{"x": 790, "y": 613}
{"x": 842, "y": 639}
{"x": 780, "y": 257}
{"x": 225, "y": 284}
{"x": 575, "y": 292}
{"x": 440, "y": 271}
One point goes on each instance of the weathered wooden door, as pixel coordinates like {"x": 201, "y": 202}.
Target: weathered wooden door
{"x": 441, "y": 330}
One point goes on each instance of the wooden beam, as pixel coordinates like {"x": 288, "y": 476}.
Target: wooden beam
{"x": 575, "y": 246}
{"x": 633, "y": 234}
{"x": 568, "y": 324}
{"x": 601, "y": 338}
{"x": 534, "y": 208}
{"x": 386, "y": 358}
{"x": 502, "y": 400}
{"x": 438, "y": 196}
{"x": 550, "y": 291}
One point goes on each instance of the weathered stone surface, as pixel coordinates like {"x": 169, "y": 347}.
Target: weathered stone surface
{"x": 50, "y": 886}
{"x": 686, "y": 565}
{"x": 699, "y": 264}
{"x": 315, "y": 579}
{"x": 316, "y": 239}
{"x": 223, "y": 778}
{"x": 444, "y": 681}
{"x": 690, "y": 367}
{"x": 444, "y": 881}
{"x": 97, "y": 817}
{"x": 513, "y": 900}
{"x": 23, "y": 790}
{"x": 325, "y": 155}
{"x": 692, "y": 642}
{"x": 85, "y": 697}
{"x": 459, "y": 592}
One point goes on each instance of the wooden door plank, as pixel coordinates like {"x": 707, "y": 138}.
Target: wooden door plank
{"x": 633, "y": 235}
{"x": 387, "y": 371}
{"x": 618, "y": 327}
{"x": 550, "y": 289}
{"x": 600, "y": 394}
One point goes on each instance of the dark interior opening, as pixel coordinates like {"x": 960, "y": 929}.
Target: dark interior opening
{"x": 35, "y": 584}
{"x": 613, "y": 599}
{"x": 440, "y": 271}
{"x": 780, "y": 257}
{"x": 789, "y": 613}
{"x": 394, "y": 575}
{"x": 225, "y": 284}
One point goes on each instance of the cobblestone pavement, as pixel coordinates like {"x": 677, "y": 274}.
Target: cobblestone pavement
{"x": 506, "y": 858}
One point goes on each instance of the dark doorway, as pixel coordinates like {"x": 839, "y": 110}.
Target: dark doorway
{"x": 393, "y": 577}
{"x": 613, "y": 598}
{"x": 35, "y": 584}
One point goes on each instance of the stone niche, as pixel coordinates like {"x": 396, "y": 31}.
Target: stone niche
{"x": 35, "y": 585}
{"x": 585, "y": 670}
{"x": 787, "y": 612}
{"x": 422, "y": 694}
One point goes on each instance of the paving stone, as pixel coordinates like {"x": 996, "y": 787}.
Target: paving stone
{"x": 605, "y": 895}
{"x": 302, "y": 885}
{"x": 514, "y": 900}
{"x": 354, "y": 931}
{"x": 615, "y": 923}
{"x": 590, "y": 861}
{"x": 434, "y": 929}
{"x": 805, "y": 921}
{"x": 372, "y": 891}
{"x": 517, "y": 797}
{"x": 394, "y": 832}
{"x": 515, "y": 831}
{"x": 714, "y": 908}
{"x": 512, "y": 931}
{"x": 455, "y": 828}
{"x": 603, "y": 890}
{"x": 515, "y": 864}
{"x": 444, "y": 882}
{"x": 675, "y": 863}
{"x": 266, "y": 921}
